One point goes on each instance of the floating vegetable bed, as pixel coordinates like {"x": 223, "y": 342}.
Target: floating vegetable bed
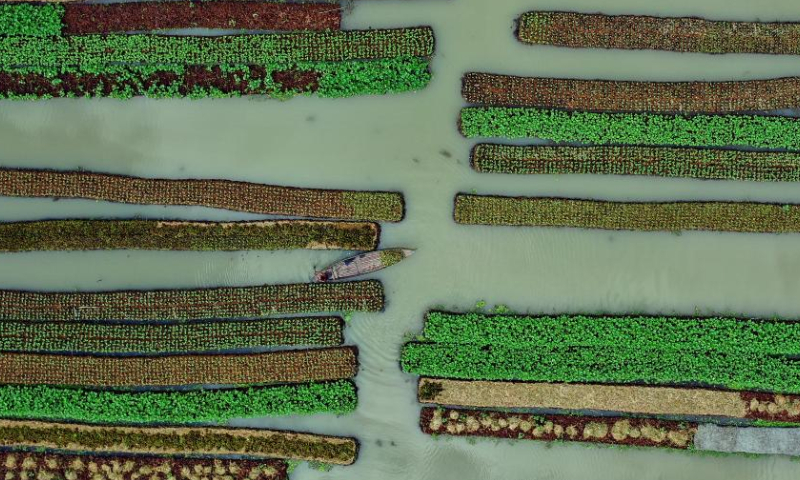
{"x": 80, "y": 18}
{"x": 705, "y": 163}
{"x": 628, "y": 399}
{"x": 632, "y": 128}
{"x": 178, "y": 441}
{"x": 223, "y": 302}
{"x": 644, "y": 216}
{"x": 630, "y": 96}
{"x": 203, "y": 336}
{"x": 281, "y": 65}
{"x": 182, "y": 235}
{"x": 576, "y": 428}
{"x": 286, "y": 366}
{"x": 124, "y": 467}
{"x": 225, "y": 194}
{"x": 680, "y": 34}
{"x": 42, "y": 402}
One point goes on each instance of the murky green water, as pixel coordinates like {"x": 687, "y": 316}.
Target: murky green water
{"x": 410, "y": 143}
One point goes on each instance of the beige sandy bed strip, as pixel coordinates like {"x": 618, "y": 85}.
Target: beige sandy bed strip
{"x": 200, "y": 441}
{"x": 628, "y": 399}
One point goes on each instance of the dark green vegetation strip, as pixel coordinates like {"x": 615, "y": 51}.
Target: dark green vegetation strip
{"x": 182, "y": 441}
{"x": 274, "y": 79}
{"x": 103, "y": 50}
{"x": 41, "y": 402}
{"x": 32, "y": 20}
{"x": 632, "y": 128}
{"x": 177, "y": 235}
{"x": 224, "y": 302}
{"x": 719, "y": 334}
{"x": 581, "y": 30}
{"x": 230, "y": 195}
{"x": 105, "y": 337}
{"x": 50, "y": 465}
{"x": 631, "y": 96}
{"x": 671, "y": 217}
{"x": 716, "y": 164}
{"x": 614, "y": 364}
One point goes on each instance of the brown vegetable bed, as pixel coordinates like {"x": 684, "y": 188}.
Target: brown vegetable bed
{"x": 181, "y": 441}
{"x": 37, "y": 465}
{"x": 291, "y": 366}
{"x": 680, "y": 34}
{"x": 630, "y": 96}
{"x": 609, "y": 430}
{"x": 82, "y": 19}
{"x": 225, "y": 194}
{"x": 772, "y": 406}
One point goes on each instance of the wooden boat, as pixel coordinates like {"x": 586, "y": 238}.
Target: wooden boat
{"x": 362, "y": 264}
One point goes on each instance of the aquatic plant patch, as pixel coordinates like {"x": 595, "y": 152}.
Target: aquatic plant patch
{"x": 149, "y": 338}
{"x": 643, "y": 216}
{"x": 285, "y": 366}
{"x": 275, "y": 80}
{"x": 720, "y": 334}
{"x": 182, "y": 235}
{"x": 621, "y": 365}
{"x": 210, "y": 303}
{"x": 102, "y": 50}
{"x": 632, "y": 128}
{"x": 631, "y": 96}
{"x": 706, "y": 163}
{"x": 224, "y": 194}
{"x": 179, "y": 441}
{"x": 232, "y": 15}
{"x": 679, "y": 34}
{"x": 42, "y": 402}
{"x": 30, "y": 465}
{"x": 608, "y": 430}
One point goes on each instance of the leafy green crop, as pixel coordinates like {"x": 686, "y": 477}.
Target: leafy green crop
{"x": 103, "y": 50}
{"x": 632, "y": 128}
{"x": 621, "y": 364}
{"x": 710, "y": 163}
{"x": 717, "y": 334}
{"x": 31, "y": 20}
{"x": 198, "y": 406}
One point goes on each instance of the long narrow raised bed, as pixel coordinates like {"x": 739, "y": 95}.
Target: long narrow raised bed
{"x": 81, "y": 18}
{"x": 607, "y": 430}
{"x": 223, "y": 302}
{"x": 183, "y": 441}
{"x": 30, "y": 465}
{"x": 706, "y": 163}
{"x": 288, "y": 366}
{"x": 102, "y": 50}
{"x": 632, "y": 128}
{"x": 645, "y": 216}
{"x": 273, "y": 79}
{"x": 609, "y": 365}
{"x": 181, "y": 235}
{"x": 147, "y": 338}
{"x": 630, "y": 399}
{"x": 631, "y": 96}
{"x": 225, "y": 194}
{"x": 669, "y": 333}
{"x": 680, "y": 34}
{"x": 43, "y": 402}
